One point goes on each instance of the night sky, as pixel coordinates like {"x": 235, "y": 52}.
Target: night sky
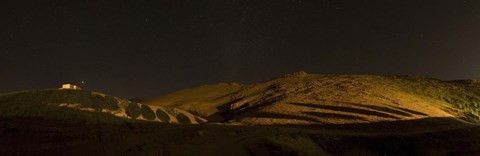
{"x": 131, "y": 48}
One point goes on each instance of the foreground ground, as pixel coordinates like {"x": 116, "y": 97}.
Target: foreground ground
{"x": 431, "y": 136}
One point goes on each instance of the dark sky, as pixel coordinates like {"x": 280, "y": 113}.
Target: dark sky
{"x": 131, "y": 48}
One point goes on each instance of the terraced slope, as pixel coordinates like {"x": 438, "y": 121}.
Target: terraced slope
{"x": 86, "y": 107}
{"x": 302, "y": 98}
{"x": 202, "y": 100}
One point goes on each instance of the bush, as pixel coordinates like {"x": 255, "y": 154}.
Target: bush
{"x": 148, "y": 113}
{"x": 133, "y": 110}
{"x": 183, "y": 119}
{"x": 162, "y": 115}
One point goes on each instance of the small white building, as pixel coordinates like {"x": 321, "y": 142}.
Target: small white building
{"x": 70, "y": 86}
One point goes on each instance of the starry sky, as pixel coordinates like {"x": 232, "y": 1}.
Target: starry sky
{"x": 142, "y": 48}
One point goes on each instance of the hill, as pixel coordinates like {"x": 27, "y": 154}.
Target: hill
{"x": 296, "y": 114}
{"x": 302, "y": 98}
{"x": 86, "y": 107}
{"x": 202, "y": 100}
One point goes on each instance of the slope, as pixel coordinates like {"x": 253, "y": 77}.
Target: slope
{"x": 86, "y": 107}
{"x": 302, "y": 98}
{"x": 202, "y": 100}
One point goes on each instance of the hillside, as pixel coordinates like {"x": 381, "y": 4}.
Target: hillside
{"x": 296, "y": 114}
{"x": 302, "y": 99}
{"x": 202, "y": 100}
{"x": 86, "y": 107}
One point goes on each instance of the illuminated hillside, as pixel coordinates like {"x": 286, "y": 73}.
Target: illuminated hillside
{"x": 302, "y": 98}
{"x": 86, "y": 107}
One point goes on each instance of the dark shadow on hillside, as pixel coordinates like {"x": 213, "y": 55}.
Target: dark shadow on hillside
{"x": 280, "y": 116}
{"x": 183, "y": 119}
{"x": 334, "y": 116}
{"x": 147, "y": 112}
{"x": 224, "y": 96}
{"x": 415, "y": 125}
{"x": 133, "y": 110}
{"x": 198, "y": 120}
{"x": 410, "y": 111}
{"x": 223, "y": 112}
{"x": 346, "y": 109}
{"x": 403, "y": 112}
{"x": 379, "y": 108}
{"x": 226, "y": 113}
{"x": 163, "y": 116}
